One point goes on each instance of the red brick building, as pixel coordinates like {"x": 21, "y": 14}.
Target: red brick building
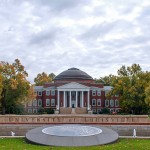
{"x": 73, "y": 88}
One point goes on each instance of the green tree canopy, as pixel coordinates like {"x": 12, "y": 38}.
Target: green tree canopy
{"x": 147, "y": 94}
{"x": 130, "y": 84}
{"x": 107, "y": 80}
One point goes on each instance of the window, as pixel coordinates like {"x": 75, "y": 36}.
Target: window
{"x": 34, "y": 110}
{"x": 39, "y": 102}
{"x": 52, "y": 102}
{"x": 39, "y": 93}
{"x": 111, "y": 103}
{"x": 116, "y": 103}
{"x": 98, "y": 111}
{"x": 94, "y": 111}
{"x": 47, "y": 93}
{"x": 98, "y": 93}
{"x": 47, "y": 102}
{"x": 99, "y": 102}
{"x": 106, "y": 103}
{"x": 29, "y": 110}
{"x": 52, "y": 92}
{"x": 35, "y": 102}
{"x": 93, "y": 102}
{"x": 112, "y": 110}
{"x": 93, "y": 93}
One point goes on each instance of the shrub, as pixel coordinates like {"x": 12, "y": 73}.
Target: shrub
{"x": 105, "y": 111}
{"x": 41, "y": 110}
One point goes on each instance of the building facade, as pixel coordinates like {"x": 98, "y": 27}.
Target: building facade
{"x": 73, "y": 88}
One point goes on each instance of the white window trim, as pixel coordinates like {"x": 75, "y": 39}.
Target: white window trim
{"x": 29, "y": 110}
{"x": 93, "y": 92}
{"x": 98, "y": 110}
{"x": 98, "y": 93}
{"x": 39, "y": 93}
{"x": 111, "y": 103}
{"x": 94, "y": 110}
{"x": 35, "y": 111}
{"x": 39, "y": 100}
{"x": 112, "y": 110}
{"x": 52, "y": 103}
{"x": 116, "y": 102}
{"x": 49, "y": 102}
{"x": 47, "y": 92}
{"x": 52, "y": 94}
{"x": 107, "y": 102}
{"x": 92, "y": 102}
{"x": 97, "y": 102}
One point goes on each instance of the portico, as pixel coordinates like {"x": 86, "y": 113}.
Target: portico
{"x": 74, "y": 95}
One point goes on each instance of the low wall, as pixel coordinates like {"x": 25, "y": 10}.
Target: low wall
{"x": 82, "y": 119}
{"x": 123, "y": 125}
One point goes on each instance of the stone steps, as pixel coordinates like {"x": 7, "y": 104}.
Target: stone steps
{"x": 69, "y": 110}
{"x": 79, "y": 110}
{"x": 65, "y": 110}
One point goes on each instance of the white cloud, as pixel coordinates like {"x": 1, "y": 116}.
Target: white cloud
{"x": 95, "y": 36}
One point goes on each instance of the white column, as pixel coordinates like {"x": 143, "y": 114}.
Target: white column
{"x": 88, "y": 99}
{"x": 82, "y": 99}
{"x": 64, "y": 98}
{"x": 58, "y": 101}
{"x": 70, "y": 99}
{"x": 76, "y": 100}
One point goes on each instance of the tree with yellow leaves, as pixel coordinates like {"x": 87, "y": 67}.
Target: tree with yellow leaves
{"x": 14, "y": 88}
{"x": 44, "y": 78}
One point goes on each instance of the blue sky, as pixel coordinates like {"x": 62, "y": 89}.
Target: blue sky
{"x": 96, "y": 36}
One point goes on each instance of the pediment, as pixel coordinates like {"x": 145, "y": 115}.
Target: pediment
{"x": 73, "y": 85}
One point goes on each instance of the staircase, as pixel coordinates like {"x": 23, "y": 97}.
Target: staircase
{"x": 67, "y": 110}
{"x": 81, "y": 110}
{"x": 70, "y": 110}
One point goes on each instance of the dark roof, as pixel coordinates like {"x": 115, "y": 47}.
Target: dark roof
{"x": 73, "y": 73}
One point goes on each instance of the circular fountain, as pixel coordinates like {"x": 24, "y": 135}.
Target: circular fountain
{"x": 71, "y": 130}
{"x": 71, "y": 135}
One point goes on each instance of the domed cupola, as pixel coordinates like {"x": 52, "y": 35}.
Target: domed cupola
{"x": 73, "y": 74}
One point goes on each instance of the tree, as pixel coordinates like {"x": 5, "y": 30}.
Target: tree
{"x": 52, "y": 76}
{"x": 130, "y": 85}
{"x": 14, "y": 87}
{"x": 107, "y": 80}
{"x": 43, "y": 78}
{"x": 147, "y": 94}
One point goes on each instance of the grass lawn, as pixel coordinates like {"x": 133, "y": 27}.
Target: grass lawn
{"x": 121, "y": 144}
